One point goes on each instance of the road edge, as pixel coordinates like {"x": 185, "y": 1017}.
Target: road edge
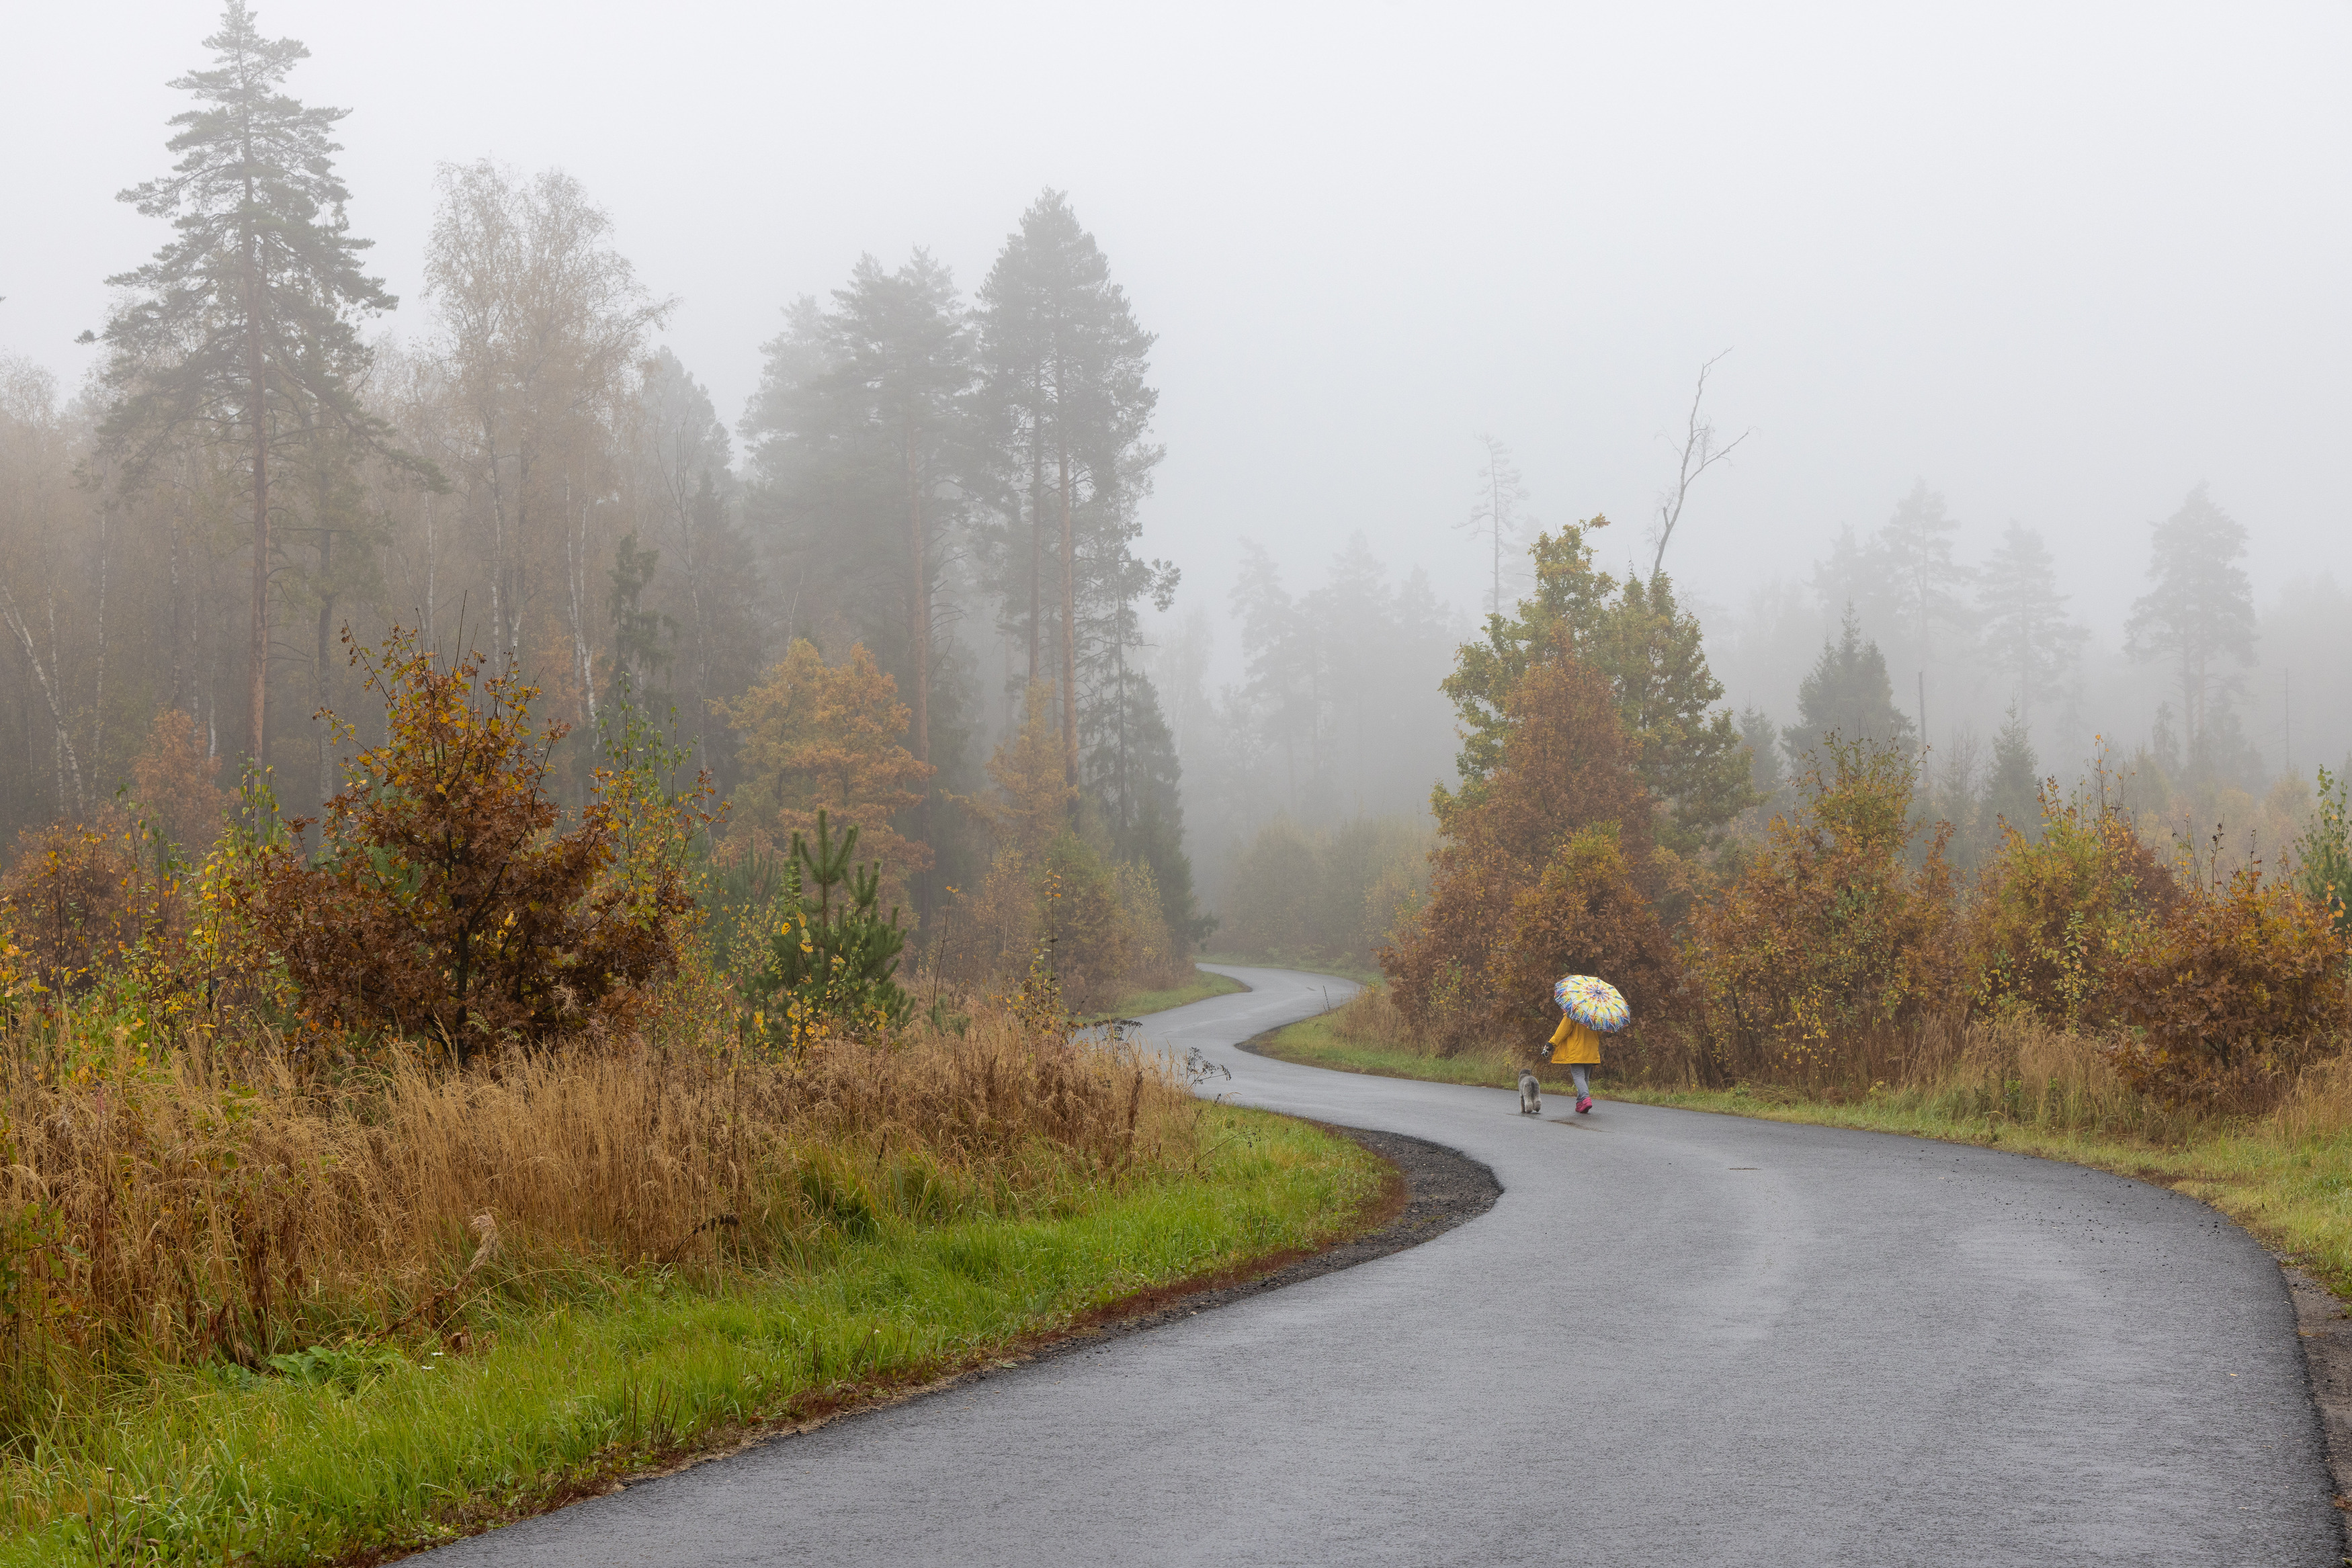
{"x": 1430, "y": 1190}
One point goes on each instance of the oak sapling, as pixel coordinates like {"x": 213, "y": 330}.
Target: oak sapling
{"x": 444, "y": 902}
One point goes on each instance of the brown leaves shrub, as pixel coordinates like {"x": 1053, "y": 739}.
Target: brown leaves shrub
{"x": 77, "y": 898}
{"x": 443, "y": 903}
{"x": 1829, "y": 939}
{"x": 1583, "y": 916}
{"x": 1458, "y": 967}
{"x": 2054, "y": 914}
{"x": 175, "y": 782}
{"x": 2230, "y": 997}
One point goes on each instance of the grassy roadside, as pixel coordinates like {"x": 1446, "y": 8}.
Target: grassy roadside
{"x": 377, "y": 1452}
{"x": 1319, "y": 1042}
{"x": 1199, "y": 988}
{"x": 2293, "y": 1193}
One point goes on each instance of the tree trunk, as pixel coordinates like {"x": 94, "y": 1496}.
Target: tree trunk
{"x": 258, "y": 642}
{"x": 318, "y": 659}
{"x": 918, "y": 637}
{"x": 1036, "y": 529}
{"x": 69, "y": 765}
{"x": 1069, "y": 625}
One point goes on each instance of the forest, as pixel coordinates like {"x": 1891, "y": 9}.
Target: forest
{"x": 904, "y": 587}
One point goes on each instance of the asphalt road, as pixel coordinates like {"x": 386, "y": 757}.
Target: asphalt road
{"x": 1677, "y": 1339}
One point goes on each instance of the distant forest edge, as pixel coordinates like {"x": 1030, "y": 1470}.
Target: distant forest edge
{"x": 910, "y": 587}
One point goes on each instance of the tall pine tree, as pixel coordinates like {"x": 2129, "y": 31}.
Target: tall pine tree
{"x": 2198, "y": 614}
{"x": 1064, "y": 362}
{"x": 241, "y": 332}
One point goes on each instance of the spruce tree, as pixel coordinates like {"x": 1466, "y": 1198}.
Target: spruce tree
{"x": 2014, "y": 793}
{"x": 242, "y": 330}
{"x": 1848, "y": 696}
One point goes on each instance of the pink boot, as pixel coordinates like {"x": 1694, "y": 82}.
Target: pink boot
{"x": 1585, "y": 1104}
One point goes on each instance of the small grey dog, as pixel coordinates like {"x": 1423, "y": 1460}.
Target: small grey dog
{"x": 1531, "y": 1097}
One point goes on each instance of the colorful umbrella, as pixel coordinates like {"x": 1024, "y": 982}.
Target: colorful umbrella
{"x": 1594, "y": 1003}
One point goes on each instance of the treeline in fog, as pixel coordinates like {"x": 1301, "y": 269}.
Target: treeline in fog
{"x": 914, "y": 554}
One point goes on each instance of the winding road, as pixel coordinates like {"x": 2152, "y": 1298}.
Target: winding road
{"x": 1677, "y": 1339}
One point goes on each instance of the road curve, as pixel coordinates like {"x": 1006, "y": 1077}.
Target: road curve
{"x": 1677, "y": 1339}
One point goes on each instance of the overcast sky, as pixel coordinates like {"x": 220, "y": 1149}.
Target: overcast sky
{"x": 2061, "y": 262}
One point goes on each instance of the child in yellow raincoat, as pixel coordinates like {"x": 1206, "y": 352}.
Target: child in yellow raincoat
{"x": 1577, "y": 1048}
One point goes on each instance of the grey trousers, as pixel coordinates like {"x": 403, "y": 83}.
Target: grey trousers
{"x": 1577, "y": 1071}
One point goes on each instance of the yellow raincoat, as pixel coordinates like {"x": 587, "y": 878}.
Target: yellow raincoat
{"x": 1573, "y": 1045}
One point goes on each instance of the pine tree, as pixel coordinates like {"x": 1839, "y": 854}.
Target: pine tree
{"x": 2199, "y": 615}
{"x": 862, "y": 438}
{"x": 2028, "y": 639}
{"x": 242, "y": 330}
{"x": 1063, "y": 361}
{"x": 1847, "y": 696}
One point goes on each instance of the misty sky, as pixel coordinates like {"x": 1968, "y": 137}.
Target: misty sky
{"x": 2062, "y": 263}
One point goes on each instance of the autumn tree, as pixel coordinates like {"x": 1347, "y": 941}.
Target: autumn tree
{"x": 1648, "y": 648}
{"x": 242, "y": 331}
{"x": 813, "y": 736}
{"x": 1585, "y": 915}
{"x": 2062, "y": 900}
{"x": 444, "y": 901}
{"x": 1831, "y": 934}
{"x": 1564, "y": 765}
{"x": 542, "y": 323}
{"x": 175, "y": 779}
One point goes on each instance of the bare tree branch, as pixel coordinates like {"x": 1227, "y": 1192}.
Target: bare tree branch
{"x": 1698, "y": 453}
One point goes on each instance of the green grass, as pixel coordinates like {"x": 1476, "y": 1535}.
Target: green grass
{"x": 1317, "y": 1043}
{"x": 2292, "y": 1195}
{"x": 1199, "y": 988}
{"x": 389, "y": 1450}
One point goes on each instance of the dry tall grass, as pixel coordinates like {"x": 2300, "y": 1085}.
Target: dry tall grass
{"x": 219, "y": 1205}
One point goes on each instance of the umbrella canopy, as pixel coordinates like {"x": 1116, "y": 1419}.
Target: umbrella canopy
{"x": 1594, "y": 1003}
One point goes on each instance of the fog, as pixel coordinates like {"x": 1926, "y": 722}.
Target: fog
{"x": 2062, "y": 265}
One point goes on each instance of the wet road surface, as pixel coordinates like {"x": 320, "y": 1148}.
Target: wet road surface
{"x": 1677, "y": 1338}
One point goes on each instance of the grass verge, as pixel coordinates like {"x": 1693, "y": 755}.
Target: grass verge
{"x": 1199, "y": 988}
{"x": 364, "y": 1454}
{"x": 1319, "y": 1042}
{"x": 2292, "y": 1193}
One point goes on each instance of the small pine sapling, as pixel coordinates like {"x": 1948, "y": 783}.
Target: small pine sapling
{"x": 833, "y": 956}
